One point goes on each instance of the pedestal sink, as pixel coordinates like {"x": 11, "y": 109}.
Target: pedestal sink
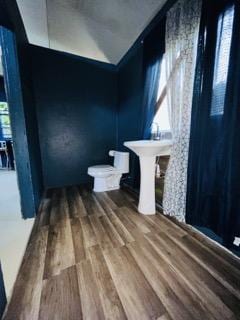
{"x": 147, "y": 150}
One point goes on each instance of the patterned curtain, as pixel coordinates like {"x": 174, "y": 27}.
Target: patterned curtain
{"x": 182, "y": 28}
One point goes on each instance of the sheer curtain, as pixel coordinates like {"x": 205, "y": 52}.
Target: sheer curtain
{"x": 153, "y": 51}
{"x": 182, "y": 28}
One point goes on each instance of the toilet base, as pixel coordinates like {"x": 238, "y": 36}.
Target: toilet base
{"x": 102, "y": 184}
{"x": 105, "y": 190}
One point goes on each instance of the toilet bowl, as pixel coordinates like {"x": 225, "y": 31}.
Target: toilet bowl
{"x": 108, "y": 177}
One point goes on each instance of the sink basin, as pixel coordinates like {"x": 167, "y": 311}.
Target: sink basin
{"x": 147, "y": 150}
{"x": 150, "y": 148}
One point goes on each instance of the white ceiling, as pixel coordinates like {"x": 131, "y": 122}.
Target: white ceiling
{"x": 103, "y": 30}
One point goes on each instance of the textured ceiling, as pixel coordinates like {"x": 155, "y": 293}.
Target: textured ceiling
{"x": 103, "y": 30}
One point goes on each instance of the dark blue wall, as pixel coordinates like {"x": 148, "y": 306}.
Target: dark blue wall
{"x": 2, "y": 90}
{"x": 2, "y": 98}
{"x": 3, "y": 299}
{"x": 31, "y": 123}
{"x": 76, "y": 108}
{"x": 84, "y": 110}
{"x": 130, "y": 107}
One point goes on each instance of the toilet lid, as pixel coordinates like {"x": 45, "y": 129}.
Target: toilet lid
{"x": 102, "y": 168}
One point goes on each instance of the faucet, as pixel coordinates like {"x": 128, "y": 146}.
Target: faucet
{"x": 155, "y": 135}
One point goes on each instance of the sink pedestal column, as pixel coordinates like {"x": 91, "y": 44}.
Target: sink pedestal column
{"x": 147, "y": 186}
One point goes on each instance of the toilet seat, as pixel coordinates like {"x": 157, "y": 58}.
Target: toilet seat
{"x": 102, "y": 170}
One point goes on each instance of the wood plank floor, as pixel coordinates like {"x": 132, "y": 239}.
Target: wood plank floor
{"x": 92, "y": 256}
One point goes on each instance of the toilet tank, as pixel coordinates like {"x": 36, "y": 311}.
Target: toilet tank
{"x": 121, "y": 160}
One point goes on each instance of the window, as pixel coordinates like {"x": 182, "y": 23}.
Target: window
{"x": 222, "y": 54}
{"x": 5, "y": 129}
{"x": 162, "y": 116}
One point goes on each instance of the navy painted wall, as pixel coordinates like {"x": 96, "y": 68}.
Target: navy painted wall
{"x": 31, "y": 124}
{"x": 3, "y": 299}
{"x": 2, "y": 90}
{"x": 81, "y": 106}
{"x": 130, "y": 108}
{"x": 76, "y": 108}
{"x": 2, "y": 98}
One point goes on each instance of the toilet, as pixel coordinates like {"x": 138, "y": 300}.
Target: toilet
{"x": 108, "y": 177}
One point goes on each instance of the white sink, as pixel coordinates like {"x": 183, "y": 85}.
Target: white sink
{"x": 150, "y": 148}
{"x": 147, "y": 150}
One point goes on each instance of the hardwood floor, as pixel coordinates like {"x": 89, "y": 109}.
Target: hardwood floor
{"x": 92, "y": 256}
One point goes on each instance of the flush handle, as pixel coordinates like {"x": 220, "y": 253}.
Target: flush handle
{"x": 112, "y": 153}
